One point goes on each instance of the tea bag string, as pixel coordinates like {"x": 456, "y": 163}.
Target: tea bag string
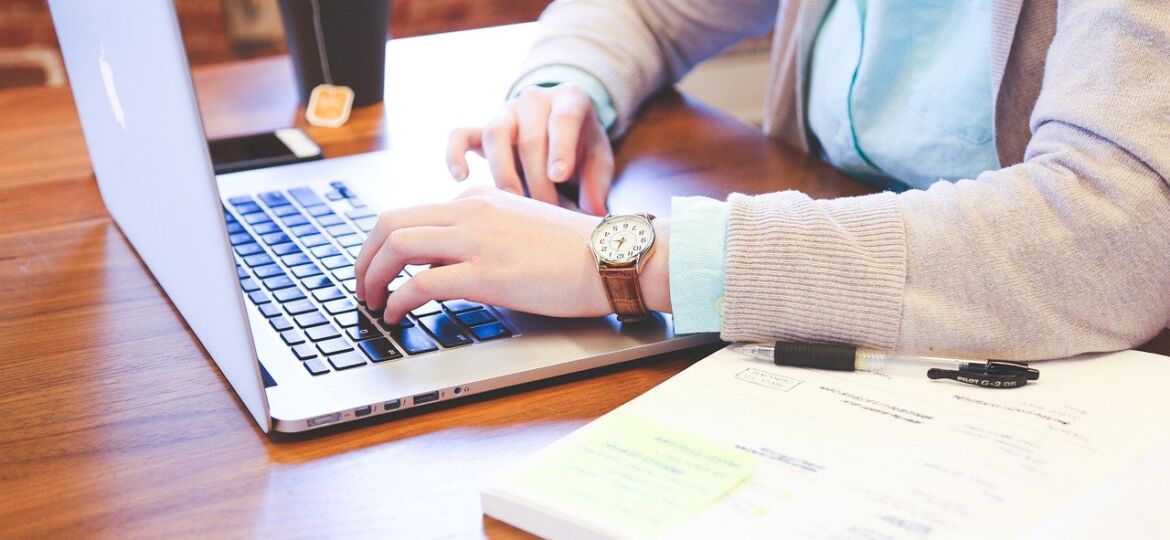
{"x": 320, "y": 34}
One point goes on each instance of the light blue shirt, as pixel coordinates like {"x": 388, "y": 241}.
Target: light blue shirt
{"x": 899, "y": 97}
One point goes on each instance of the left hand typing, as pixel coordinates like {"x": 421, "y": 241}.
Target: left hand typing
{"x": 486, "y": 246}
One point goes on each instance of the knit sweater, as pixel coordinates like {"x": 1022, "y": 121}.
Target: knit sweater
{"x": 1063, "y": 250}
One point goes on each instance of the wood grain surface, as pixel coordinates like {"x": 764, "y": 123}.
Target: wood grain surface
{"x": 118, "y": 424}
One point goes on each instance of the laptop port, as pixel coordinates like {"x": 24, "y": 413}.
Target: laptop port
{"x": 426, "y": 398}
{"x": 391, "y": 405}
{"x": 362, "y": 411}
{"x": 323, "y": 419}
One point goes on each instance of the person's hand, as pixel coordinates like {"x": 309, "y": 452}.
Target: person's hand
{"x": 554, "y": 136}
{"x": 496, "y": 248}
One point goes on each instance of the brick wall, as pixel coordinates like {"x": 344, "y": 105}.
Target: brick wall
{"x": 28, "y": 45}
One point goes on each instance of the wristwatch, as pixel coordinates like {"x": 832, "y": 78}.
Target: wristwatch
{"x": 621, "y": 244}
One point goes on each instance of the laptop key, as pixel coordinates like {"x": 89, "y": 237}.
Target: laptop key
{"x": 338, "y": 229}
{"x": 330, "y": 220}
{"x": 350, "y": 285}
{"x": 304, "y": 351}
{"x": 304, "y": 230}
{"x": 258, "y": 297}
{"x": 430, "y": 308}
{"x": 279, "y": 282}
{"x": 350, "y": 240}
{"x": 379, "y": 350}
{"x": 343, "y": 273}
{"x": 325, "y": 295}
{"x": 267, "y": 227}
{"x": 475, "y": 318}
{"x": 286, "y": 210}
{"x": 340, "y": 306}
{"x": 366, "y": 224}
{"x": 296, "y": 259}
{"x": 318, "y": 211}
{"x": 288, "y": 248}
{"x": 292, "y": 337}
{"x": 269, "y": 310}
{"x": 445, "y": 330}
{"x": 404, "y": 323}
{"x": 335, "y": 262}
{"x": 412, "y": 339}
{"x": 247, "y": 207}
{"x": 299, "y": 306}
{"x": 294, "y": 220}
{"x": 322, "y": 252}
{"x": 488, "y": 332}
{"x": 273, "y": 198}
{"x": 314, "y": 240}
{"x": 280, "y": 324}
{"x": 305, "y": 196}
{"x": 306, "y": 270}
{"x": 316, "y": 367}
{"x": 275, "y": 238}
{"x": 240, "y": 238}
{"x": 354, "y": 250}
{"x": 252, "y": 219}
{"x": 358, "y": 213}
{"x": 316, "y": 282}
{"x": 259, "y": 259}
{"x": 365, "y": 328}
{"x": 322, "y": 333}
{"x": 334, "y": 346}
{"x": 311, "y": 319}
{"x": 241, "y": 272}
{"x": 347, "y": 319}
{"x": 234, "y": 227}
{"x": 268, "y": 270}
{"x": 250, "y": 248}
{"x": 346, "y": 361}
{"x": 240, "y": 199}
{"x": 459, "y": 306}
{"x": 249, "y": 285}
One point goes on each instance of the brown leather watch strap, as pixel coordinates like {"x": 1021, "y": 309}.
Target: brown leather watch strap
{"x": 624, "y": 292}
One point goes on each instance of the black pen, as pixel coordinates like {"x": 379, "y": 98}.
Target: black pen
{"x": 985, "y": 373}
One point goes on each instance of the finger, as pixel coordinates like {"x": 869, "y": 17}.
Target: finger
{"x": 459, "y": 143}
{"x": 499, "y": 142}
{"x": 414, "y": 245}
{"x": 566, "y": 121}
{"x": 596, "y": 174}
{"x": 440, "y": 214}
{"x": 533, "y": 148}
{"x": 441, "y": 283}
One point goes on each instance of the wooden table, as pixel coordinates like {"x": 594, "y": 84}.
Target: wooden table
{"x": 117, "y": 423}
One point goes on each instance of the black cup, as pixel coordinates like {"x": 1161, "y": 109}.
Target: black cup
{"x": 354, "y": 33}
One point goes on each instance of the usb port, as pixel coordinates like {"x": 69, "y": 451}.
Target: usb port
{"x": 426, "y": 398}
{"x": 391, "y": 405}
{"x": 362, "y": 411}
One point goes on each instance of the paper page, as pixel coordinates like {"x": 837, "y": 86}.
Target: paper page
{"x": 872, "y": 455}
{"x": 635, "y": 475}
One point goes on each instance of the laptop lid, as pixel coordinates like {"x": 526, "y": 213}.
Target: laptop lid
{"x": 136, "y": 100}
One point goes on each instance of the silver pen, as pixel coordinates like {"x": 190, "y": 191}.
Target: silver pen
{"x": 985, "y": 373}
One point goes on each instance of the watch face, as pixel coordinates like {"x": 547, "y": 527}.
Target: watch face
{"x": 622, "y": 238}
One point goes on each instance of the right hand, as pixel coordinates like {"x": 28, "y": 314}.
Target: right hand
{"x": 553, "y": 135}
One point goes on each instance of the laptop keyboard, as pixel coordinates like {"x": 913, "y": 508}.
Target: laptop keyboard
{"x": 295, "y": 251}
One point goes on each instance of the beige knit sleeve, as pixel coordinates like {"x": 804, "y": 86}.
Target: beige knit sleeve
{"x": 1065, "y": 253}
{"x": 636, "y": 47}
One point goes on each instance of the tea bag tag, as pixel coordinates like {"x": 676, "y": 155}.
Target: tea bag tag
{"x": 329, "y": 105}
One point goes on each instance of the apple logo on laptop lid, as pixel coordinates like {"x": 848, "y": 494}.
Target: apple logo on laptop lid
{"x": 111, "y": 91}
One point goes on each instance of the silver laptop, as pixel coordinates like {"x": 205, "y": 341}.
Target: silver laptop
{"x": 260, "y": 263}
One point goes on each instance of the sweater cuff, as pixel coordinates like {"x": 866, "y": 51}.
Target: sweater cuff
{"x": 553, "y": 75}
{"x": 698, "y": 240}
{"x": 827, "y": 271}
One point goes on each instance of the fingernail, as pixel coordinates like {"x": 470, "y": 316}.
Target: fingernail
{"x": 457, "y": 172}
{"x": 558, "y": 171}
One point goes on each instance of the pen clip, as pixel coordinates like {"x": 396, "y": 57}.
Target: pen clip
{"x": 990, "y": 374}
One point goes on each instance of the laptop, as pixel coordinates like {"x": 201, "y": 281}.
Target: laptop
{"x": 260, "y": 263}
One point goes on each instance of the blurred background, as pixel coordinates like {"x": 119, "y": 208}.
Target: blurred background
{"x": 218, "y": 31}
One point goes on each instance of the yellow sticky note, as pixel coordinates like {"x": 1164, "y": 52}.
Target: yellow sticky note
{"x": 636, "y": 474}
